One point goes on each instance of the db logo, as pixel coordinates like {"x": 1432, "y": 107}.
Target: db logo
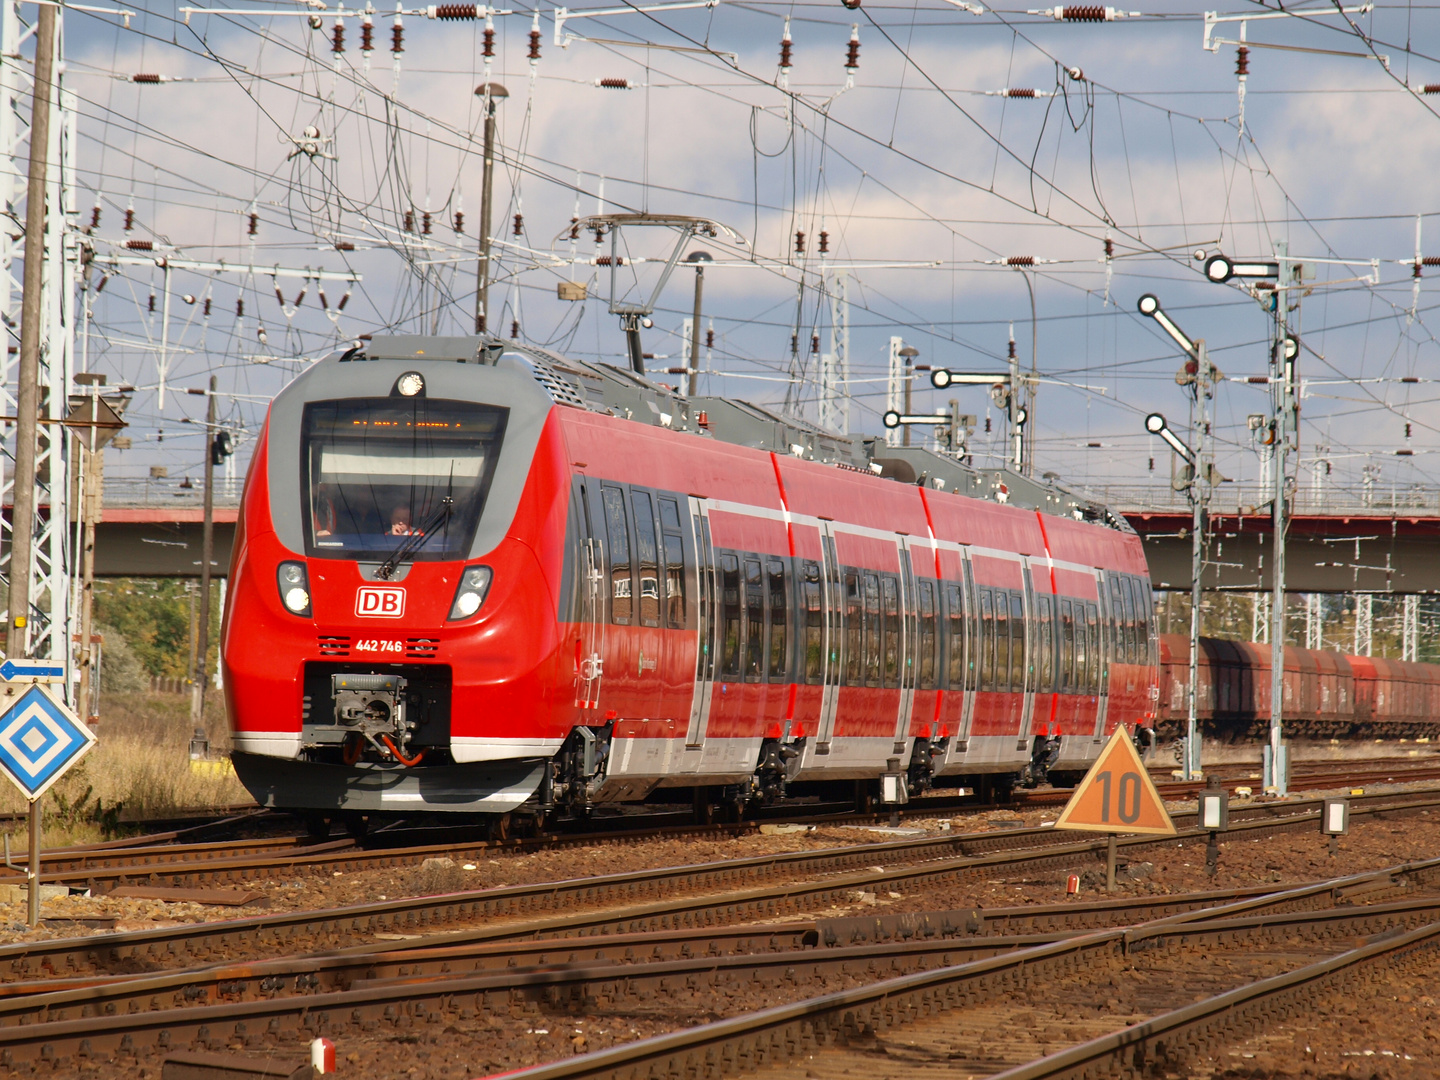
{"x": 380, "y": 602}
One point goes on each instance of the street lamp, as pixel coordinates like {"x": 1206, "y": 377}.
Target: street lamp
{"x": 697, "y": 259}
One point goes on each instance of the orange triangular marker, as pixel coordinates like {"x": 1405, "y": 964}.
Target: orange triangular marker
{"x": 1117, "y": 795}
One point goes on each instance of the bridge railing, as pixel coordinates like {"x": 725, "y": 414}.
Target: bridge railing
{"x": 1333, "y": 502}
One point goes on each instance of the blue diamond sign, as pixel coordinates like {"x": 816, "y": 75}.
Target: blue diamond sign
{"x": 40, "y": 739}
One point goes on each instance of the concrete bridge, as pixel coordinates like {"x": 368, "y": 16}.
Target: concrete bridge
{"x": 1336, "y": 550}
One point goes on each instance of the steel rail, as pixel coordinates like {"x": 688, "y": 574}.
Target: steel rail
{"x": 653, "y": 899}
{"x": 785, "y": 1032}
{"x": 1166, "y": 1041}
{"x": 972, "y": 929}
{"x": 50, "y": 1034}
{"x": 349, "y": 859}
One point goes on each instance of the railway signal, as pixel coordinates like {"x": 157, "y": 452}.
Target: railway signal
{"x": 40, "y": 739}
{"x": 1335, "y": 822}
{"x": 958, "y": 426}
{"x": 1214, "y": 817}
{"x": 1117, "y": 796}
{"x": 1004, "y": 391}
{"x": 1199, "y": 479}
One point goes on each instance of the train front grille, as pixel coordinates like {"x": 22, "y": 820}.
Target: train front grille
{"x": 333, "y": 645}
{"x": 422, "y": 648}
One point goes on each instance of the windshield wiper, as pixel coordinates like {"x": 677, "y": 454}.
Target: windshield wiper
{"x": 416, "y": 540}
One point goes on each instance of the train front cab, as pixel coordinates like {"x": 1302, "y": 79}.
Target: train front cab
{"x": 356, "y": 686}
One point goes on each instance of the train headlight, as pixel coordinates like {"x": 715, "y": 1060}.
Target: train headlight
{"x": 294, "y": 587}
{"x": 410, "y": 384}
{"x": 474, "y": 584}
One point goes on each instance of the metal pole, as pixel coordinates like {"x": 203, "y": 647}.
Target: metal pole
{"x": 34, "y": 874}
{"x": 1199, "y": 490}
{"x": 482, "y": 287}
{"x": 90, "y": 513}
{"x": 1028, "y": 433}
{"x": 694, "y": 385}
{"x": 909, "y": 381}
{"x": 1017, "y": 429}
{"x": 1280, "y": 372}
{"x": 22, "y": 523}
{"x": 207, "y": 553}
{"x": 1110, "y": 863}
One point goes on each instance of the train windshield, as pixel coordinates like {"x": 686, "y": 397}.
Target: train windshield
{"x": 378, "y": 470}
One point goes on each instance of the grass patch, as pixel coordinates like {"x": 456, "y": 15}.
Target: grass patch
{"x": 140, "y": 767}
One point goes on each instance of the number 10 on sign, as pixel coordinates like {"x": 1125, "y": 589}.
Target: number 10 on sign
{"x": 1117, "y": 795}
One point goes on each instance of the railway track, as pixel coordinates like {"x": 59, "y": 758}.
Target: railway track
{"x": 714, "y": 894}
{"x": 165, "y": 860}
{"x": 940, "y": 1019}
{"x": 403, "y": 989}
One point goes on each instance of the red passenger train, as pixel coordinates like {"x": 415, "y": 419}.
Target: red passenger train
{"x": 474, "y": 576}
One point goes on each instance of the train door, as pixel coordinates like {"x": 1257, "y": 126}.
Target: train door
{"x": 907, "y": 643}
{"x": 704, "y": 593}
{"x": 1107, "y": 650}
{"x": 834, "y": 638}
{"x": 590, "y": 632}
{"x": 972, "y": 647}
{"x": 1030, "y": 724}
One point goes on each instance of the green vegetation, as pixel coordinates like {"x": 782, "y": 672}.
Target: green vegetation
{"x": 152, "y": 620}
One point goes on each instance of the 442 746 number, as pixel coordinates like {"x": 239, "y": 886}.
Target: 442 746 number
{"x": 378, "y": 645}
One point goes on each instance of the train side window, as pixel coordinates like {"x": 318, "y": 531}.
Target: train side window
{"x": 1045, "y": 636}
{"x": 926, "y": 590}
{"x": 730, "y": 615}
{"x": 779, "y": 614}
{"x": 955, "y": 615}
{"x": 810, "y": 594}
{"x": 1017, "y": 642}
{"x": 872, "y": 629}
{"x": 1003, "y": 631}
{"x": 674, "y": 582}
{"x": 854, "y": 630}
{"x": 1132, "y": 643}
{"x": 1067, "y": 646}
{"x": 754, "y": 620}
{"x": 669, "y": 513}
{"x": 890, "y": 656}
{"x": 647, "y": 557}
{"x": 1092, "y": 628}
{"x": 621, "y": 589}
{"x": 1116, "y": 622}
{"x": 1083, "y": 658}
{"x": 672, "y": 549}
{"x": 987, "y": 641}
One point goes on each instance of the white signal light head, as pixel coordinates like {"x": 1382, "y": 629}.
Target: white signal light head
{"x": 891, "y": 419}
{"x": 1154, "y": 423}
{"x": 940, "y": 378}
{"x": 1149, "y": 304}
{"x": 1219, "y": 269}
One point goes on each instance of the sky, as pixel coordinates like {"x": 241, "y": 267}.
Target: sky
{"x": 922, "y": 176}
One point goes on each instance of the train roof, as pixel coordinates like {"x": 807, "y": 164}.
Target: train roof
{"x": 618, "y": 391}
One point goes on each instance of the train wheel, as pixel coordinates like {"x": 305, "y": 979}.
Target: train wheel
{"x": 864, "y": 797}
{"x": 704, "y": 807}
{"x": 500, "y": 828}
{"x": 317, "y": 826}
